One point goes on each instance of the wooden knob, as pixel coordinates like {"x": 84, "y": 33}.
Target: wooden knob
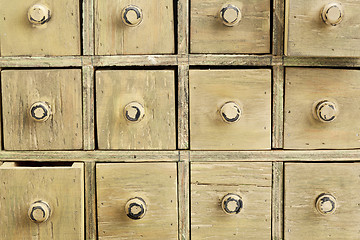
{"x": 40, "y": 111}
{"x": 230, "y": 15}
{"x": 232, "y": 204}
{"x": 135, "y": 208}
{"x": 332, "y": 14}
{"x": 326, "y": 111}
{"x": 39, "y": 14}
{"x": 39, "y": 211}
{"x": 326, "y": 204}
{"x": 131, "y": 15}
{"x": 230, "y": 112}
{"x": 134, "y": 112}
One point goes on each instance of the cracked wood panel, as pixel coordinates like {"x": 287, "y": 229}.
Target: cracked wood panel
{"x": 61, "y": 187}
{"x": 61, "y": 89}
{"x": 210, "y": 182}
{"x": 155, "y": 183}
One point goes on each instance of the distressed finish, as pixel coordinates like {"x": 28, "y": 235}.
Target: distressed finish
{"x": 154, "y": 90}
{"x": 155, "y": 183}
{"x": 304, "y": 88}
{"x": 210, "y": 90}
{"x": 59, "y": 36}
{"x": 304, "y": 183}
{"x": 61, "y": 187}
{"x": 61, "y": 89}
{"x": 154, "y": 35}
{"x": 208, "y": 34}
{"x": 210, "y": 182}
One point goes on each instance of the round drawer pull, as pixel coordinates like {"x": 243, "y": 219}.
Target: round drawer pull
{"x": 134, "y": 112}
{"x": 131, "y": 15}
{"x": 230, "y": 112}
{"x": 40, "y": 111}
{"x": 326, "y": 111}
{"x": 231, "y": 204}
{"x": 332, "y": 14}
{"x": 326, "y": 204}
{"x": 135, "y": 208}
{"x": 230, "y": 15}
{"x": 39, "y": 211}
{"x": 39, "y": 14}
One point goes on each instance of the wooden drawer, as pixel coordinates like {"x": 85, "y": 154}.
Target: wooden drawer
{"x": 319, "y": 109}
{"x": 230, "y": 109}
{"x": 42, "y": 109}
{"x": 134, "y": 27}
{"x": 231, "y": 200}
{"x": 322, "y": 201}
{"x": 239, "y": 26}
{"x": 42, "y": 202}
{"x": 137, "y": 200}
{"x": 39, "y": 28}
{"x": 135, "y": 109}
{"x": 322, "y": 28}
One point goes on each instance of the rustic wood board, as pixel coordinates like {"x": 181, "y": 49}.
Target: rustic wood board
{"x": 210, "y": 182}
{"x": 304, "y": 183}
{"x": 62, "y": 89}
{"x": 61, "y": 187}
{"x": 306, "y": 86}
{"x": 307, "y": 35}
{"x": 156, "y": 183}
{"x": 154, "y": 90}
{"x": 210, "y": 89}
{"x": 209, "y": 35}
{"x": 154, "y": 35}
{"x": 60, "y": 36}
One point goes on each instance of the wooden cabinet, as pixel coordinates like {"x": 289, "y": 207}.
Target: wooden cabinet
{"x": 42, "y": 202}
{"x": 137, "y": 200}
{"x": 40, "y": 28}
{"x": 42, "y": 109}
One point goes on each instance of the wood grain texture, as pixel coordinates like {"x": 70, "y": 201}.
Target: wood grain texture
{"x": 308, "y": 35}
{"x": 210, "y": 182}
{"x": 278, "y": 27}
{"x": 155, "y": 183}
{"x": 303, "y": 88}
{"x": 278, "y": 107}
{"x": 154, "y": 90}
{"x": 210, "y": 89}
{"x": 60, "y": 36}
{"x": 209, "y": 35}
{"x": 183, "y": 26}
{"x": 277, "y": 201}
{"x": 154, "y": 35}
{"x": 183, "y": 107}
{"x": 88, "y": 27}
{"x": 304, "y": 183}
{"x": 90, "y": 201}
{"x": 61, "y": 187}
{"x": 184, "y": 195}
{"x": 61, "y": 88}
{"x": 88, "y": 98}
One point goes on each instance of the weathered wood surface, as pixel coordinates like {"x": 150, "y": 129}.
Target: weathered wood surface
{"x": 278, "y": 107}
{"x": 90, "y": 200}
{"x": 184, "y": 195}
{"x": 183, "y": 107}
{"x": 277, "y": 200}
{"x": 88, "y": 27}
{"x": 88, "y": 97}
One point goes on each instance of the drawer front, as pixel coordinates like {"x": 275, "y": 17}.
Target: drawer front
{"x": 134, "y": 27}
{"x": 39, "y": 28}
{"x": 136, "y": 109}
{"x": 230, "y": 109}
{"x": 42, "y": 109}
{"x": 322, "y": 201}
{"x": 239, "y": 26}
{"x": 319, "y": 109}
{"x": 323, "y": 28}
{"x": 231, "y": 200}
{"x": 137, "y": 200}
{"x": 42, "y": 202}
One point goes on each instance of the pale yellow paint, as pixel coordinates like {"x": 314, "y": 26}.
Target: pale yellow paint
{"x": 60, "y": 36}
{"x": 154, "y": 90}
{"x": 61, "y": 89}
{"x": 155, "y": 183}
{"x": 304, "y": 88}
{"x": 304, "y": 182}
{"x": 61, "y": 187}
{"x": 210, "y": 90}
{"x": 210, "y": 182}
